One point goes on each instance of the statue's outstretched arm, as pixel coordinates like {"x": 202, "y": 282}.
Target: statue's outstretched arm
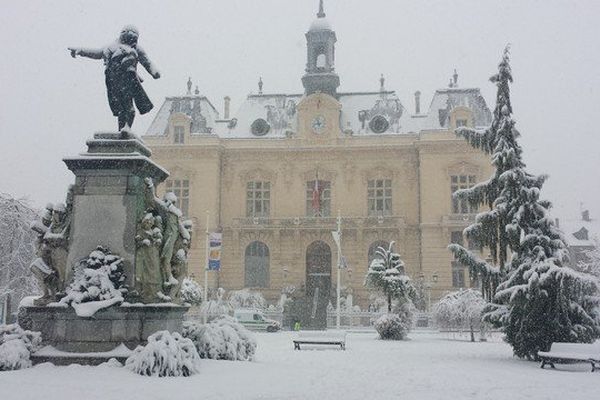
{"x": 96, "y": 54}
{"x": 145, "y": 61}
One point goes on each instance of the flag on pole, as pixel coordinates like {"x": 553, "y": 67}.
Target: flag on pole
{"x": 215, "y": 240}
{"x": 316, "y": 197}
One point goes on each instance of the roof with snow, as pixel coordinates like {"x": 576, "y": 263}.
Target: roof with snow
{"x": 198, "y": 108}
{"x": 444, "y": 100}
{"x": 363, "y": 113}
{"x": 582, "y": 231}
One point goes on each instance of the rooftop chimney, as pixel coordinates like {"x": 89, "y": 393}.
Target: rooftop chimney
{"x": 417, "y": 102}
{"x": 226, "y": 107}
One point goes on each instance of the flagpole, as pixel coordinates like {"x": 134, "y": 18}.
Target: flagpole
{"x": 339, "y": 268}
{"x": 204, "y": 317}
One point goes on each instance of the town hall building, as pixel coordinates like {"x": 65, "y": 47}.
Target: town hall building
{"x": 274, "y": 175}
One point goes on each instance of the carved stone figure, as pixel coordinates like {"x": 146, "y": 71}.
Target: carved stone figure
{"x": 123, "y": 84}
{"x": 51, "y": 248}
{"x": 171, "y": 216}
{"x": 147, "y": 261}
{"x": 179, "y": 265}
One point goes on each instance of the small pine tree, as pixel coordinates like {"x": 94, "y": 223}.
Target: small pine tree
{"x": 386, "y": 273}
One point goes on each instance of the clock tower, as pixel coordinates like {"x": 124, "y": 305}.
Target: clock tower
{"x": 320, "y": 74}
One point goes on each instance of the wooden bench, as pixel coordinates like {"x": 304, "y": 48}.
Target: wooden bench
{"x": 567, "y": 353}
{"x": 333, "y": 338}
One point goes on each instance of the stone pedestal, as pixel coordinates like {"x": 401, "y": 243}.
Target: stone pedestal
{"x": 131, "y": 325}
{"x": 109, "y": 197}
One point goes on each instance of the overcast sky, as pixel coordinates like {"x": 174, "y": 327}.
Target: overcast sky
{"x": 51, "y": 103}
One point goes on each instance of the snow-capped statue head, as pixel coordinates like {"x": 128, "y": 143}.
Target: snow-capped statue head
{"x": 170, "y": 198}
{"x": 129, "y": 35}
{"x": 148, "y": 222}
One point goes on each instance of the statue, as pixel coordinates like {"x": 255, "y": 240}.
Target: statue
{"x": 179, "y": 265}
{"x": 170, "y": 216}
{"x": 51, "y": 248}
{"x": 147, "y": 261}
{"x": 123, "y": 84}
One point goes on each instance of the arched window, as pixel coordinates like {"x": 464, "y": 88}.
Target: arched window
{"x": 257, "y": 265}
{"x": 373, "y": 249}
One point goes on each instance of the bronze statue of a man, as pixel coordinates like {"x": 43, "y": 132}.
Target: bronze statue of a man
{"x": 123, "y": 84}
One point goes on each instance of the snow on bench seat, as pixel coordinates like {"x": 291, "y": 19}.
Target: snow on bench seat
{"x": 337, "y": 338}
{"x": 562, "y": 353}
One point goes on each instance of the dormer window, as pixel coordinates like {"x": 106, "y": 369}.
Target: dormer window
{"x": 461, "y": 122}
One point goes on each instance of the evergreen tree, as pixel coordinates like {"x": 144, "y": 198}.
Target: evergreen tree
{"x": 499, "y": 141}
{"x": 386, "y": 273}
{"x": 539, "y": 301}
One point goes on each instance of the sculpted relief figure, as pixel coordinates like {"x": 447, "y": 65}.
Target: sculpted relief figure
{"x": 52, "y": 247}
{"x": 179, "y": 265}
{"x": 123, "y": 84}
{"x": 175, "y": 237}
{"x": 147, "y": 261}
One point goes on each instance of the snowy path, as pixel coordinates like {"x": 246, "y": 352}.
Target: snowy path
{"x": 426, "y": 367}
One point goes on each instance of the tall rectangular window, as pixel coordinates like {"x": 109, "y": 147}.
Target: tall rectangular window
{"x": 258, "y": 199}
{"x": 181, "y": 189}
{"x": 178, "y": 134}
{"x": 318, "y": 199}
{"x": 379, "y": 197}
{"x": 458, "y": 275}
{"x": 458, "y": 182}
{"x": 456, "y": 237}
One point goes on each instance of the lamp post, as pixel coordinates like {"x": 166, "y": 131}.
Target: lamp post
{"x": 204, "y": 317}
{"x": 337, "y": 237}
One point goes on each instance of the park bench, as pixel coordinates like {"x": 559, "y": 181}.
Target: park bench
{"x": 335, "y": 338}
{"x": 566, "y": 353}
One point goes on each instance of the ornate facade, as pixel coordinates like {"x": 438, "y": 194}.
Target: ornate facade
{"x": 274, "y": 175}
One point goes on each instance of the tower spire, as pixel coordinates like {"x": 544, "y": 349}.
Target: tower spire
{"x": 321, "y": 13}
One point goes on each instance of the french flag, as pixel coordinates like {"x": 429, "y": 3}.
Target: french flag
{"x": 316, "y": 198}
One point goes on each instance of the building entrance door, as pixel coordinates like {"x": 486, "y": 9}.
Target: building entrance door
{"x": 318, "y": 284}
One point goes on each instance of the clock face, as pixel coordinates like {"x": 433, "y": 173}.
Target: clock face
{"x": 318, "y": 124}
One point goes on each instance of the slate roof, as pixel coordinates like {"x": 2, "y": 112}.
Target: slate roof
{"x": 358, "y": 110}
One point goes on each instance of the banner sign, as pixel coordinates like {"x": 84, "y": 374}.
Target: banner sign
{"x": 214, "y": 253}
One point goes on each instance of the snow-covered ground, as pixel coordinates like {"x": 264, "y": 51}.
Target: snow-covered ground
{"x": 428, "y": 366}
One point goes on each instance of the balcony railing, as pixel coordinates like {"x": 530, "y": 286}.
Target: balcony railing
{"x": 317, "y": 222}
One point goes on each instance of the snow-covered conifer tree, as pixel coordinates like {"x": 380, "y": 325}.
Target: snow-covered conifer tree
{"x": 539, "y": 301}
{"x": 498, "y": 140}
{"x": 386, "y": 273}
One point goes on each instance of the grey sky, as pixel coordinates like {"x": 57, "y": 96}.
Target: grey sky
{"x": 51, "y": 103}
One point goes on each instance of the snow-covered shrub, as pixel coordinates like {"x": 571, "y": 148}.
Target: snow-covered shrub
{"x": 392, "y": 327}
{"x": 191, "y": 292}
{"x": 99, "y": 279}
{"x": 166, "y": 354}
{"x": 246, "y": 298}
{"x": 16, "y": 346}
{"x": 461, "y": 310}
{"x": 221, "y": 339}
